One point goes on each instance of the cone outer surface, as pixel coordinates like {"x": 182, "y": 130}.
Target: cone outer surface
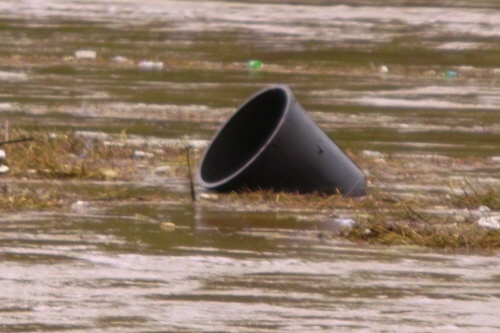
{"x": 272, "y": 143}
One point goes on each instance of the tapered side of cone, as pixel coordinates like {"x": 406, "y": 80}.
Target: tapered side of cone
{"x": 271, "y": 142}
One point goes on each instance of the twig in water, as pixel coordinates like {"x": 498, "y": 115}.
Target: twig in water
{"x": 6, "y": 131}
{"x": 191, "y": 184}
{"x": 15, "y": 141}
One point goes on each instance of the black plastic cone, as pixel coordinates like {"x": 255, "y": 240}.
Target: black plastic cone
{"x": 272, "y": 143}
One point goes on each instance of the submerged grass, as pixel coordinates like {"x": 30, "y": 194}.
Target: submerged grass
{"x": 472, "y": 198}
{"x": 15, "y": 199}
{"x": 383, "y": 216}
{"x": 61, "y": 156}
{"x": 71, "y": 156}
{"x": 433, "y": 218}
{"x": 385, "y": 219}
{"x": 439, "y": 236}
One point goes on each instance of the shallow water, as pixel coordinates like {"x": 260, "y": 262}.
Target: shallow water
{"x": 330, "y": 54}
{"x": 103, "y": 268}
{"x": 103, "y": 272}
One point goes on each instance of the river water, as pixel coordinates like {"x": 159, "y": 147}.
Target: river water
{"x": 393, "y": 76}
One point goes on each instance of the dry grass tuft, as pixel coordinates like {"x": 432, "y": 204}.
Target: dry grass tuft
{"x": 382, "y": 216}
{"x": 14, "y": 199}
{"x": 438, "y": 236}
{"x": 473, "y": 198}
{"x": 61, "y": 156}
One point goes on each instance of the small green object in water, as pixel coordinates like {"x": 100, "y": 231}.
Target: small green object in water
{"x": 254, "y": 64}
{"x": 450, "y": 74}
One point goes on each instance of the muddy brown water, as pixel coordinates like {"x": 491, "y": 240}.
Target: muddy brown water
{"x": 393, "y": 76}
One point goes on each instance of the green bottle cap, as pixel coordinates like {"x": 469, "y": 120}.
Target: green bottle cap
{"x": 254, "y": 64}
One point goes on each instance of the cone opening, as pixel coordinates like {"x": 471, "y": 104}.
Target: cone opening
{"x": 244, "y": 135}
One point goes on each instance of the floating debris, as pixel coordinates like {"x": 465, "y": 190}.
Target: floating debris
{"x": 232, "y": 164}
{"x": 139, "y": 154}
{"x": 344, "y": 222}
{"x": 450, "y": 74}
{"x": 3, "y": 162}
{"x": 383, "y": 69}
{"x": 484, "y": 209}
{"x": 86, "y": 54}
{"x": 157, "y": 66}
{"x": 255, "y": 64}
{"x": 163, "y": 170}
{"x": 100, "y": 136}
{"x": 489, "y": 222}
{"x": 495, "y": 159}
{"x": 338, "y": 225}
{"x": 147, "y": 65}
{"x": 209, "y": 196}
{"x": 80, "y": 207}
{"x": 374, "y": 155}
{"x": 53, "y": 136}
{"x": 167, "y": 226}
{"x": 120, "y": 59}
{"x": 371, "y": 154}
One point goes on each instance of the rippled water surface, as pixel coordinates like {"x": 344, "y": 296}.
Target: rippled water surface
{"x": 333, "y": 55}
{"x": 107, "y": 274}
{"x": 393, "y": 76}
